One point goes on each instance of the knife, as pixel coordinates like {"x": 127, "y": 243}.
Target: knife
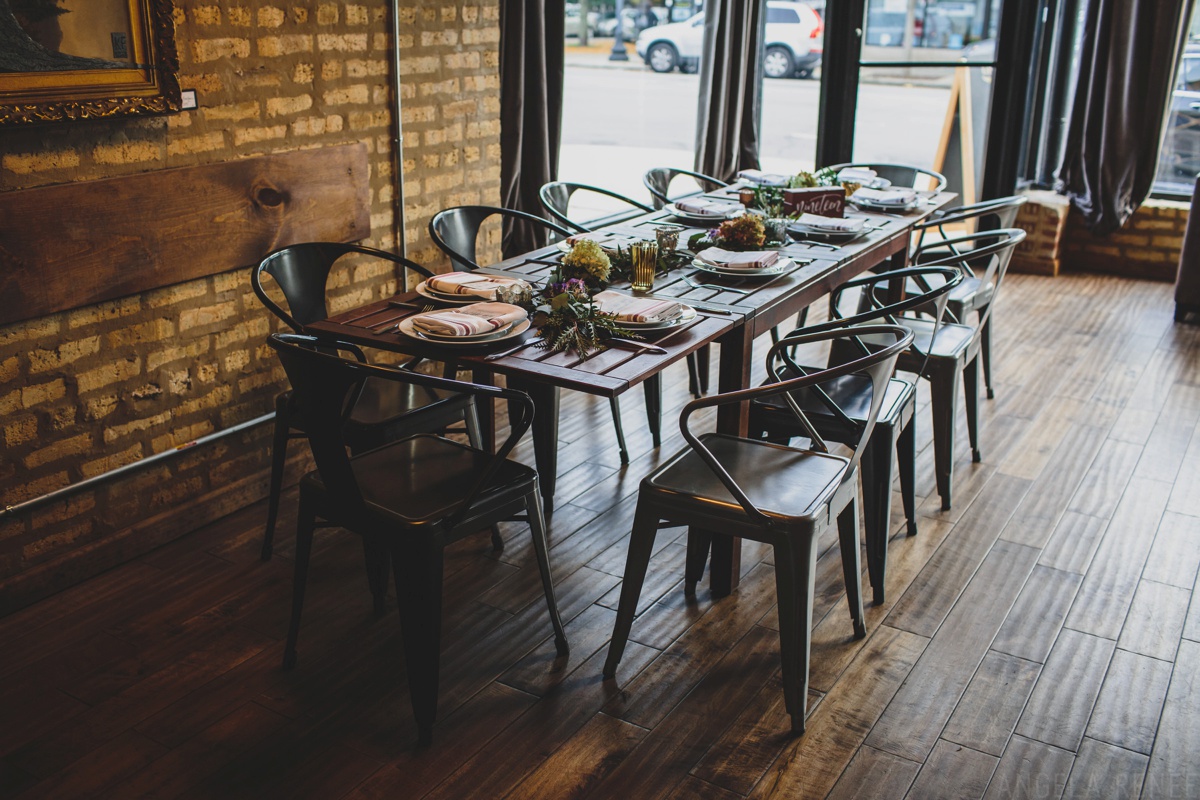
{"x": 511, "y": 350}
{"x": 629, "y": 344}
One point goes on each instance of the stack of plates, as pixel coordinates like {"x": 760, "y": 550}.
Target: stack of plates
{"x": 442, "y": 297}
{"x": 821, "y": 234}
{"x": 507, "y": 332}
{"x": 704, "y": 219}
{"x": 782, "y": 265}
{"x": 687, "y": 314}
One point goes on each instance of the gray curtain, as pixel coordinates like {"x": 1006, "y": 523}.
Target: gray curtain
{"x": 1128, "y": 55}
{"x": 531, "y": 91}
{"x": 730, "y": 112}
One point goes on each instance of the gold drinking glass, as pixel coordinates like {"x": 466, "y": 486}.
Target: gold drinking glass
{"x": 645, "y": 260}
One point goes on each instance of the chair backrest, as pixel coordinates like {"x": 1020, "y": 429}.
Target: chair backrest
{"x": 456, "y": 230}
{"x": 325, "y": 387}
{"x": 302, "y": 271}
{"x": 877, "y": 365}
{"x": 883, "y": 299}
{"x": 556, "y": 198}
{"x": 984, "y": 215}
{"x": 990, "y": 250}
{"x": 658, "y": 181}
{"x": 901, "y": 175}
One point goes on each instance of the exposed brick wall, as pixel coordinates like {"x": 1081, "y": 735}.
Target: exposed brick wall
{"x": 97, "y": 387}
{"x": 1146, "y": 247}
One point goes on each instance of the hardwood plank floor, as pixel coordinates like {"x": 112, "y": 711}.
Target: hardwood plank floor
{"x": 1041, "y": 639}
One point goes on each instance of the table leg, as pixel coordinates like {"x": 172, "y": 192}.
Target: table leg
{"x": 545, "y": 434}
{"x": 734, "y": 373}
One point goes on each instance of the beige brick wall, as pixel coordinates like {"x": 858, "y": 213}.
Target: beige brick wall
{"x": 94, "y": 388}
{"x": 1146, "y": 247}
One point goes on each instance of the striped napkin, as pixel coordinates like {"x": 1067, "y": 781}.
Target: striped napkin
{"x": 702, "y": 207}
{"x": 469, "y": 320}
{"x": 486, "y": 286}
{"x": 637, "y": 309}
{"x": 727, "y": 259}
{"x": 763, "y": 178}
{"x": 886, "y": 197}
{"x": 835, "y": 224}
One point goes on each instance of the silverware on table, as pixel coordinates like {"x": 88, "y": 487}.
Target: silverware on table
{"x": 631, "y": 344}
{"x": 712, "y": 286}
{"x": 511, "y": 350}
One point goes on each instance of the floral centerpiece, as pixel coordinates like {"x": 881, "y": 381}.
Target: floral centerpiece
{"x": 564, "y": 312}
{"x": 747, "y": 232}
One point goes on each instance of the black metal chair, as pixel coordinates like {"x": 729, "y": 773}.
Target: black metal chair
{"x": 556, "y": 198}
{"x": 943, "y": 354}
{"x": 974, "y": 294}
{"x": 411, "y": 498}
{"x": 783, "y": 496}
{"x": 838, "y": 409}
{"x": 455, "y": 231}
{"x": 658, "y": 180}
{"x": 901, "y": 175}
{"x": 384, "y": 411}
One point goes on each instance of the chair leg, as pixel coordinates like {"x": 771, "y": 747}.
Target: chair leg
{"x": 803, "y": 558}
{"x": 877, "y": 462}
{"x": 847, "y": 523}
{"x": 971, "y": 389}
{"x": 306, "y": 522}
{"x": 471, "y": 421}
{"x": 906, "y": 456}
{"x": 698, "y": 544}
{"x": 786, "y": 595}
{"x": 985, "y": 349}
{"x": 641, "y": 543}
{"x": 278, "y": 462}
{"x": 537, "y": 527}
{"x": 653, "y": 389}
{"x": 615, "y": 405}
{"x": 418, "y": 575}
{"x": 376, "y": 557}
{"x": 943, "y": 394}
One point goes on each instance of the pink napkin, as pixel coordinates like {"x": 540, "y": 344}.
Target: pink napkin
{"x": 469, "y": 320}
{"x": 637, "y": 309}
{"x": 727, "y": 259}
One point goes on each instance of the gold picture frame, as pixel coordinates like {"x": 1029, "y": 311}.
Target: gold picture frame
{"x": 114, "y": 58}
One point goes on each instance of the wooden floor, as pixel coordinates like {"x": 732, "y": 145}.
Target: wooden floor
{"x": 1039, "y": 640}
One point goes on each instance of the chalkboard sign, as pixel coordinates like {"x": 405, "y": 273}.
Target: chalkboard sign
{"x": 962, "y": 147}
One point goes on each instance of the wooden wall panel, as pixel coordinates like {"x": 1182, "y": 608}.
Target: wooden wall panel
{"x": 75, "y": 244}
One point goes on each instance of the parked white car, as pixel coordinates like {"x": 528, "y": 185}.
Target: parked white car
{"x": 793, "y": 45}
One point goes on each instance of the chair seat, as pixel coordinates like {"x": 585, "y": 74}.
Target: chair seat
{"x": 952, "y": 340}
{"x": 395, "y": 491}
{"x": 851, "y": 393}
{"x": 784, "y": 482}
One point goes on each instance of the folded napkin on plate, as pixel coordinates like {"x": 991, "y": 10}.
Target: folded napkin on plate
{"x": 836, "y": 224}
{"x": 485, "y": 286}
{"x": 608, "y": 241}
{"x": 861, "y": 175}
{"x": 764, "y": 178}
{"x": 703, "y": 207}
{"x": 469, "y": 320}
{"x": 886, "y": 197}
{"x": 727, "y": 259}
{"x": 637, "y": 309}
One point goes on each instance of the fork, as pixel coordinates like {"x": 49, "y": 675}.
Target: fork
{"x": 712, "y": 286}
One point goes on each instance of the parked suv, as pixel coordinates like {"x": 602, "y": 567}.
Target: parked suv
{"x": 793, "y": 43}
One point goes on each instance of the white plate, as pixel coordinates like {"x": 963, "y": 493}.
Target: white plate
{"x": 702, "y": 219}
{"x": 686, "y": 315}
{"x": 825, "y": 235}
{"x": 517, "y": 329}
{"x": 472, "y": 337}
{"x": 782, "y": 265}
{"x": 455, "y": 299}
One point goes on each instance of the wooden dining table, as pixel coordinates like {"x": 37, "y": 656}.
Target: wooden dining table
{"x": 732, "y": 315}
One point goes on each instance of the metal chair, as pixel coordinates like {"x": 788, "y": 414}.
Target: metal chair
{"x": 783, "y": 496}
{"x": 411, "y": 498}
{"x": 974, "y": 294}
{"x": 384, "y": 411}
{"x": 901, "y": 175}
{"x": 455, "y": 231}
{"x": 838, "y": 409}
{"x": 556, "y": 199}
{"x": 941, "y": 354}
{"x": 658, "y": 180}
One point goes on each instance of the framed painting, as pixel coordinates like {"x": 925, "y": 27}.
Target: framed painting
{"x": 86, "y": 59}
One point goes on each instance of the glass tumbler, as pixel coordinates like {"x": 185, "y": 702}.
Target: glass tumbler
{"x": 645, "y": 260}
{"x": 668, "y": 237}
